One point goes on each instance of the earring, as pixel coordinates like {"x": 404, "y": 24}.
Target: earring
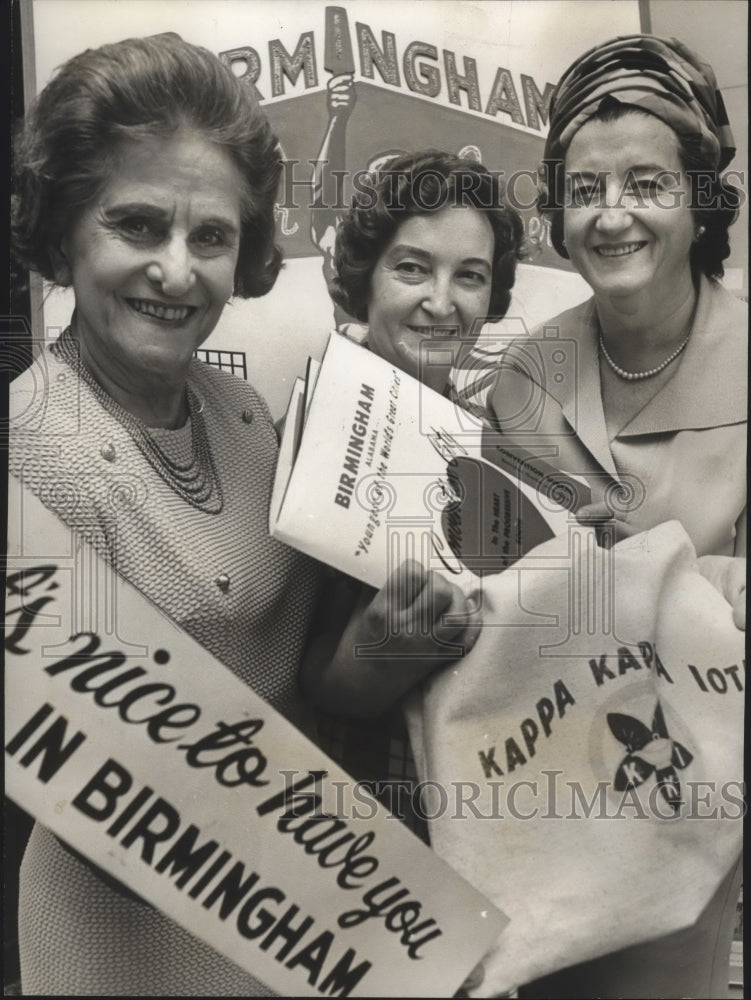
{"x": 700, "y": 231}
{"x": 563, "y": 243}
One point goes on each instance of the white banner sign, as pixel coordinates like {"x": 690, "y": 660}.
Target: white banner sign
{"x": 165, "y": 770}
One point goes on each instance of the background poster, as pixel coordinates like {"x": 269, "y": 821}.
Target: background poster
{"x": 469, "y": 77}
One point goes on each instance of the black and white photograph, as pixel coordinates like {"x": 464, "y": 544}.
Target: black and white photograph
{"x": 376, "y": 445}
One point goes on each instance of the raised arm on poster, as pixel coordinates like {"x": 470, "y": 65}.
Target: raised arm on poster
{"x": 161, "y": 767}
{"x": 374, "y": 466}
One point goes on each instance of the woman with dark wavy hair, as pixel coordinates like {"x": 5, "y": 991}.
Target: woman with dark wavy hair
{"x": 425, "y": 255}
{"x": 427, "y": 250}
{"x": 145, "y": 180}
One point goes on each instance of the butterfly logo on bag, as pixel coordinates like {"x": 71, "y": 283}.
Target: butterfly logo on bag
{"x": 650, "y": 751}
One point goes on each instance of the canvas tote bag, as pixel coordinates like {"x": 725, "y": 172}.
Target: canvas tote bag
{"x": 582, "y": 765}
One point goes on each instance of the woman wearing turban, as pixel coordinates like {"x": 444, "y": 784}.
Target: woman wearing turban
{"x": 642, "y": 389}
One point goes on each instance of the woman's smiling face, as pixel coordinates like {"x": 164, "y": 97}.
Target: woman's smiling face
{"x": 627, "y": 225}
{"x": 153, "y": 258}
{"x": 433, "y": 279}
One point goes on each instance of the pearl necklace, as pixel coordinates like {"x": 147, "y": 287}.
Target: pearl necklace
{"x": 197, "y": 481}
{"x": 635, "y": 376}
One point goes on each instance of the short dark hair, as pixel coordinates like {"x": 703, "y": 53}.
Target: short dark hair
{"x": 416, "y": 184}
{"x": 714, "y": 201}
{"x": 70, "y": 139}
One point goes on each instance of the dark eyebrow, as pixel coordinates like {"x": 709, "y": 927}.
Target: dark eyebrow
{"x": 152, "y": 211}
{"x": 136, "y": 208}
{"x": 656, "y": 167}
{"x": 476, "y": 260}
{"x": 424, "y": 255}
{"x": 415, "y": 251}
{"x": 636, "y": 168}
{"x": 220, "y": 220}
{"x": 586, "y": 174}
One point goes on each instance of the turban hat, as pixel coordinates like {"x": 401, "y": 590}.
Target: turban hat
{"x": 659, "y": 75}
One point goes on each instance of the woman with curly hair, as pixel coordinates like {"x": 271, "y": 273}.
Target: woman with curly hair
{"x": 145, "y": 180}
{"x": 428, "y": 250}
{"x": 425, "y": 256}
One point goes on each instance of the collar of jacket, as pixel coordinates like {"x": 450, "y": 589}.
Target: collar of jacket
{"x": 708, "y": 389}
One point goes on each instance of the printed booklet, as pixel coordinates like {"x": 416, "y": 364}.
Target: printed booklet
{"x": 375, "y": 467}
